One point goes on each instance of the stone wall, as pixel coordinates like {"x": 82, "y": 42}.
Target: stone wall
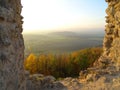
{"x": 11, "y": 46}
{"x": 112, "y": 36}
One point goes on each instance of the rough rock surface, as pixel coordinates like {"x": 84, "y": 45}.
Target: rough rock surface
{"x": 112, "y": 38}
{"x": 11, "y": 46}
{"x": 40, "y": 82}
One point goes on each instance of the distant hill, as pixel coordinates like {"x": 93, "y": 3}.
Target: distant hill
{"x": 80, "y": 34}
{"x": 64, "y": 33}
{"x": 60, "y": 42}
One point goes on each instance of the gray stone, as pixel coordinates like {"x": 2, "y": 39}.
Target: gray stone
{"x": 11, "y": 47}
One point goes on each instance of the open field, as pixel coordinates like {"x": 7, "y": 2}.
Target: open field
{"x": 60, "y": 42}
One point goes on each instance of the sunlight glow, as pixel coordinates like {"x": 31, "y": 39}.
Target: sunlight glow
{"x": 46, "y": 15}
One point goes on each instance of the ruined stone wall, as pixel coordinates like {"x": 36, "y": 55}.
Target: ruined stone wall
{"x": 112, "y": 36}
{"x": 11, "y": 46}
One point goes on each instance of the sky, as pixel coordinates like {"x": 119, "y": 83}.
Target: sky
{"x": 63, "y": 15}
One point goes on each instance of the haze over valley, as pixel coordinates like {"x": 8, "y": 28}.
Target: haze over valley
{"x": 62, "y": 42}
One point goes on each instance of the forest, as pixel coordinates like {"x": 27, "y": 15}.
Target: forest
{"x": 61, "y": 54}
{"x": 62, "y": 65}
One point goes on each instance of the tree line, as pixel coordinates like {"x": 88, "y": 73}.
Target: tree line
{"x": 62, "y": 65}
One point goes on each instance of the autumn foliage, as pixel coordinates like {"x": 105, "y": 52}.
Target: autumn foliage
{"x": 62, "y": 65}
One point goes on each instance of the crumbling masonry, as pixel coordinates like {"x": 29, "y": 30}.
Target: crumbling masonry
{"x": 12, "y": 44}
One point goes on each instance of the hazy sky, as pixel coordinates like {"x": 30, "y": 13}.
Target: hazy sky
{"x": 47, "y": 15}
